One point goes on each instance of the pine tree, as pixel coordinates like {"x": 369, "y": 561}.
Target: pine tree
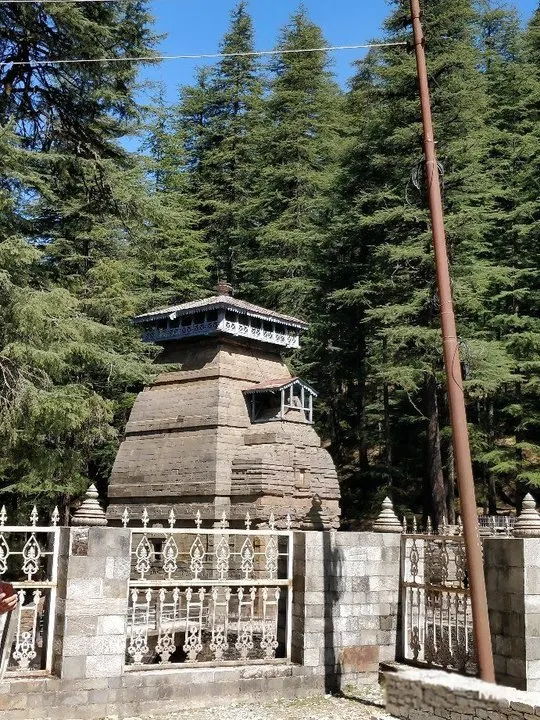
{"x": 218, "y": 122}
{"x": 171, "y": 258}
{"x": 71, "y": 195}
{"x": 512, "y": 65}
{"x": 74, "y": 106}
{"x": 301, "y": 142}
{"x": 381, "y": 236}
{"x": 59, "y": 369}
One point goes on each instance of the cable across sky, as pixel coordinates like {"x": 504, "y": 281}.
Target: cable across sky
{"x": 201, "y": 56}
{"x": 61, "y": 2}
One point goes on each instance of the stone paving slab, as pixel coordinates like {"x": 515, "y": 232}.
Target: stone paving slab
{"x": 365, "y": 706}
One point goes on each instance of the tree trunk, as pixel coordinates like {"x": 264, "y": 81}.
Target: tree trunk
{"x": 387, "y": 443}
{"x": 386, "y": 418}
{"x": 434, "y": 460}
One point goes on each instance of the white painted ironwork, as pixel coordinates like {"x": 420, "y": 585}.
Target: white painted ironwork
{"x": 210, "y": 595}
{"x": 145, "y": 518}
{"x": 490, "y": 526}
{"x": 156, "y": 334}
{"x": 29, "y": 561}
{"x": 497, "y": 524}
{"x": 174, "y": 331}
{"x": 436, "y": 607}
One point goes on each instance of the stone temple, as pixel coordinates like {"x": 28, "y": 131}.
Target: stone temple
{"x": 224, "y": 428}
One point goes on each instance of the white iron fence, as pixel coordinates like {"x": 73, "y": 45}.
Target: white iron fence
{"x": 29, "y": 561}
{"x": 492, "y": 525}
{"x": 209, "y": 595}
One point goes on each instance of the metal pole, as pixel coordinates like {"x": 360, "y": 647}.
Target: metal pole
{"x": 456, "y": 399}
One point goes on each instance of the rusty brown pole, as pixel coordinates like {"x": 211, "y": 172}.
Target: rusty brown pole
{"x": 456, "y": 399}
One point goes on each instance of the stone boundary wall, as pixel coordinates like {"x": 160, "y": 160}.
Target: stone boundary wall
{"x": 413, "y": 694}
{"x": 512, "y": 568}
{"x": 345, "y": 607}
{"x": 151, "y": 691}
{"x": 345, "y": 604}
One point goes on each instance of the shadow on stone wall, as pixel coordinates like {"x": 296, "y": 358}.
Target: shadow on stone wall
{"x": 333, "y": 586}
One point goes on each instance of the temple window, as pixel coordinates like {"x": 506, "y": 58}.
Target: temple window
{"x": 284, "y": 400}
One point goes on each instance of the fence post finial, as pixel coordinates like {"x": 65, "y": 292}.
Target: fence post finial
{"x": 387, "y": 521}
{"x": 90, "y": 512}
{"x": 528, "y": 523}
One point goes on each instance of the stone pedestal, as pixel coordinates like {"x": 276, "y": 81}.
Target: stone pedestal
{"x": 345, "y": 604}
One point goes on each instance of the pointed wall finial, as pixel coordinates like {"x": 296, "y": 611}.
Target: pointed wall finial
{"x": 90, "y": 512}
{"x": 224, "y": 288}
{"x": 528, "y": 523}
{"x": 387, "y": 521}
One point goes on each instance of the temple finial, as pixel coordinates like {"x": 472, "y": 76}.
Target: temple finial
{"x": 224, "y": 288}
{"x": 90, "y": 511}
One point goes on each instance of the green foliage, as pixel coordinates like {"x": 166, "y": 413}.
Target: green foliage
{"x": 70, "y": 199}
{"x": 299, "y": 151}
{"x": 172, "y": 257}
{"x": 377, "y": 268}
{"x": 309, "y": 200}
{"x": 218, "y": 124}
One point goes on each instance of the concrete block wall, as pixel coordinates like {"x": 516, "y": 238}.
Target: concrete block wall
{"x": 345, "y": 610}
{"x": 512, "y": 568}
{"x": 413, "y": 694}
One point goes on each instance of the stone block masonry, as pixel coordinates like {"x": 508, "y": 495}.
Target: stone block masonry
{"x": 345, "y": 596}
{"x": 513, "y": 587}
{"x": 413, "y": 694}
{"x": 93, "y": 598}
{"x": 150, "y": 692}
{"x": 345, "y": 608}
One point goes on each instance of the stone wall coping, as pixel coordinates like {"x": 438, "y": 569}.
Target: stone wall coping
{"x": 474, "y": 688}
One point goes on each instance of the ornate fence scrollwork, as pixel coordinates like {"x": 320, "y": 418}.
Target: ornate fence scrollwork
{"x": 209, "y": 595}
{"x": 436, "y": 607}
{"x": 29, "y": 561}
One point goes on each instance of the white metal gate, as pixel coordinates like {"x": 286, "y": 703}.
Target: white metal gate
{"x": 209, "y": 595}
{"x": 29, "y": 561}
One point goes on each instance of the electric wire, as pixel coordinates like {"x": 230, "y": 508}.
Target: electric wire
{"x": 200, "y": 56}
{"x": 61, "y": 2}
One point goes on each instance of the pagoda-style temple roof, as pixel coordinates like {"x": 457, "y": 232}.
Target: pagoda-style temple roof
{"x": 221, "y": 314}
{"x": 279, "y": 384}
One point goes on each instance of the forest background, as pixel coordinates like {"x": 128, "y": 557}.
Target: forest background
{"x": 309, "y": 198}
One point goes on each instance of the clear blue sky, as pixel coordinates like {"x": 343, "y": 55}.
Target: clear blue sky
{"x": 197, "y": 26}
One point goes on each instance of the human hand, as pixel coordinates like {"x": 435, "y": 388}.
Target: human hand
{"x": 8, "y": 598}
